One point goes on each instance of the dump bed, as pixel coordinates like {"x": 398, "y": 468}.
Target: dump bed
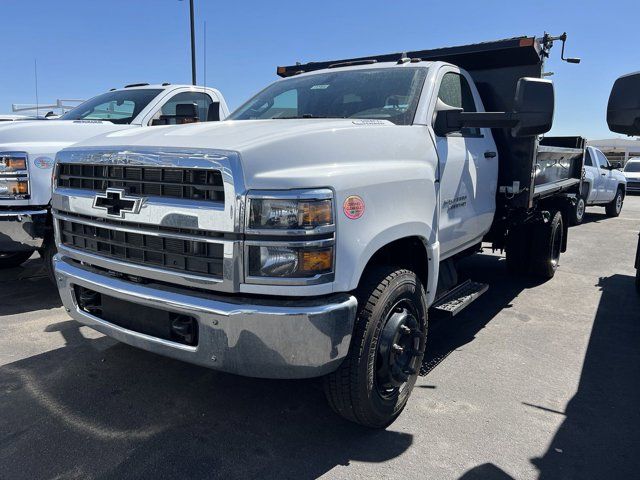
{"x": 496, "y": 68}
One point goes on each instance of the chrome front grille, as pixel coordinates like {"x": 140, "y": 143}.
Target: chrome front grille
{"x": 185, "y": 230}
{"x": 186, "y": 183}
{"x": 183, "y": 255}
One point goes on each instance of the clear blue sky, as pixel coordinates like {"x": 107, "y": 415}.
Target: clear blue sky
{"x": 86, "y": 47}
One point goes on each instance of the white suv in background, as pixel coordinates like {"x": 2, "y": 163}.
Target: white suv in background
{"x": 632, "y": 174}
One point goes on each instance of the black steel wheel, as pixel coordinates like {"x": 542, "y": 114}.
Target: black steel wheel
{"x": 371, "y": 387}
{"x": 13, "y": 259}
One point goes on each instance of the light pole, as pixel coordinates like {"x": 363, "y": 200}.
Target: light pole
{"x": 193, "y": 44}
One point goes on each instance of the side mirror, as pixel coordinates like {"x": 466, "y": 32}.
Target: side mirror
{"x": 616, "y": 166}
{"x": 186, "y": 113}
{"x": 532, "y": 112}
{"x": 447, "y": 119}
{"x": 533, "y": 107}
{"x": 623, "y": 110}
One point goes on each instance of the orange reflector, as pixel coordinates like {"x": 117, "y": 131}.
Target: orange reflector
{"x": 20, "y": 188}
{"x": 316, "y": 260}
{"x": 316, "y": 213}
{"x": 281, "y": 70}
{"x": 526, "y": 42}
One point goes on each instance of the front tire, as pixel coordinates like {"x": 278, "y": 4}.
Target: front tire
{"x": 614, "y": 207}
{"x": 372, "y": 385}
{"x": 47, "y": 253}
{"x": 13, "y": 259}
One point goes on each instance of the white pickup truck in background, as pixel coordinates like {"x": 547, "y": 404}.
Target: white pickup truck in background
{"x": 603, "y": 185}
{"x": 28, "y": 150}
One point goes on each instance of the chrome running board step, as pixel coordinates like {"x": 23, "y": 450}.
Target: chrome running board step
{"x": 457, "y": 299}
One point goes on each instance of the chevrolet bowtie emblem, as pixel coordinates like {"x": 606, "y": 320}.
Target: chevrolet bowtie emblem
{"x": 116, "y": 202}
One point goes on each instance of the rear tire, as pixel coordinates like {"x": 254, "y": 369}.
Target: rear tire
{"x": 372, "y": 385}
{"x": 546, "y": 245}
{"x": 614, "y": 207}
{"x": 13, "y": 259}
{"x": 578, "y": 210}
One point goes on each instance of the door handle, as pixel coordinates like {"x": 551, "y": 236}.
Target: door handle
{"x": 489, "y": 154}
{"x": 603, "y": 174}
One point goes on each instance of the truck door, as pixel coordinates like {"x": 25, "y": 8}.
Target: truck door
{"x": 468, "y": 171}
{"x": 593, "y": 172}
{"x": 608, "y": 180}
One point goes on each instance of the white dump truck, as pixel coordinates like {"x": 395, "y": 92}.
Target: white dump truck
{"x": 28, "y": 150}
{"x": 311, "y": 233}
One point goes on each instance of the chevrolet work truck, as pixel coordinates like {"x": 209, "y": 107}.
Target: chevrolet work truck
{"x": 28, "y": 150}
{"x": 311, "y": 233}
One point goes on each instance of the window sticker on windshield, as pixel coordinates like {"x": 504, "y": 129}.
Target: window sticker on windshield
{"x": 319, "y": 87}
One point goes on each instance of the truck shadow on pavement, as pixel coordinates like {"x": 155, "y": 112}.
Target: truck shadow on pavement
{"x": 447, "y": 335}
{"x": 27, "y": 289}
{"x": 600, "y": 434}
{"x": 100, "y": 409}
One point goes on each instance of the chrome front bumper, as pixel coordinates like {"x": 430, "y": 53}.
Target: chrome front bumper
{"x": 245, "y": 336}
{"x": 22, "y": 230}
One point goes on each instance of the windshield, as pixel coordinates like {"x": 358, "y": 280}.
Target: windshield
{"x": 632, "y": 167}
{"x": 120, "y": 107}
{"x": 380, "y": 93}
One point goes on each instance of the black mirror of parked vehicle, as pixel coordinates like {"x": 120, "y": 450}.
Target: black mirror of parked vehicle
{"x": 616, "y": 166}
{"x": 186, "y": 113}
{"x": 623, "y": 110}
{"x": 533, "y": 107}
{"x": 532, "y": 112}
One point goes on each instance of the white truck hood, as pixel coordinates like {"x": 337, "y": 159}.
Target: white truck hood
{"x": 632, "y": 175}
{"x": 42, "y": 140}
{"x": 291, "y": 153}
{"x": 52, "y": 131}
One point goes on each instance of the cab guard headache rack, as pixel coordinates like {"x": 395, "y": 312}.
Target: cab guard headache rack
{"x": 517, "y": 51}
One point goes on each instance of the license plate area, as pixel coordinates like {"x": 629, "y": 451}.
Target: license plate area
{"x": 151, "y": 321}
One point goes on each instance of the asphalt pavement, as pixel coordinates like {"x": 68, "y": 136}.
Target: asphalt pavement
{"x": 532, "y": 381}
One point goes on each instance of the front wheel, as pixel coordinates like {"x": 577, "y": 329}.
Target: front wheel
{"x": 13, "y": 259}
{"x": 47, "y": 253}
{"x": 371, "y": 387}
{"x": 614, "y": 208}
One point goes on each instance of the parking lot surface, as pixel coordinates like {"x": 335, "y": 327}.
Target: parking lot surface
{"x": 532, "y": 381}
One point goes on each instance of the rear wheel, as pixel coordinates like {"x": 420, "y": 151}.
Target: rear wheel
{"x": 577, "y": 213}
{"x": 546, "y": 246}
{"x": 614, "y": 208}
{"x": 374, "y": 382}
{"x": 13, "y": 259}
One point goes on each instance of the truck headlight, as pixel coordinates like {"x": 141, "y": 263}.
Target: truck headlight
{"x": 13, "y": 187}
{"x": 290, "y": 237}
{"x": 290, "y": 213}
{"x": 13, "y": 162}
{"x": 289, "y": 261}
